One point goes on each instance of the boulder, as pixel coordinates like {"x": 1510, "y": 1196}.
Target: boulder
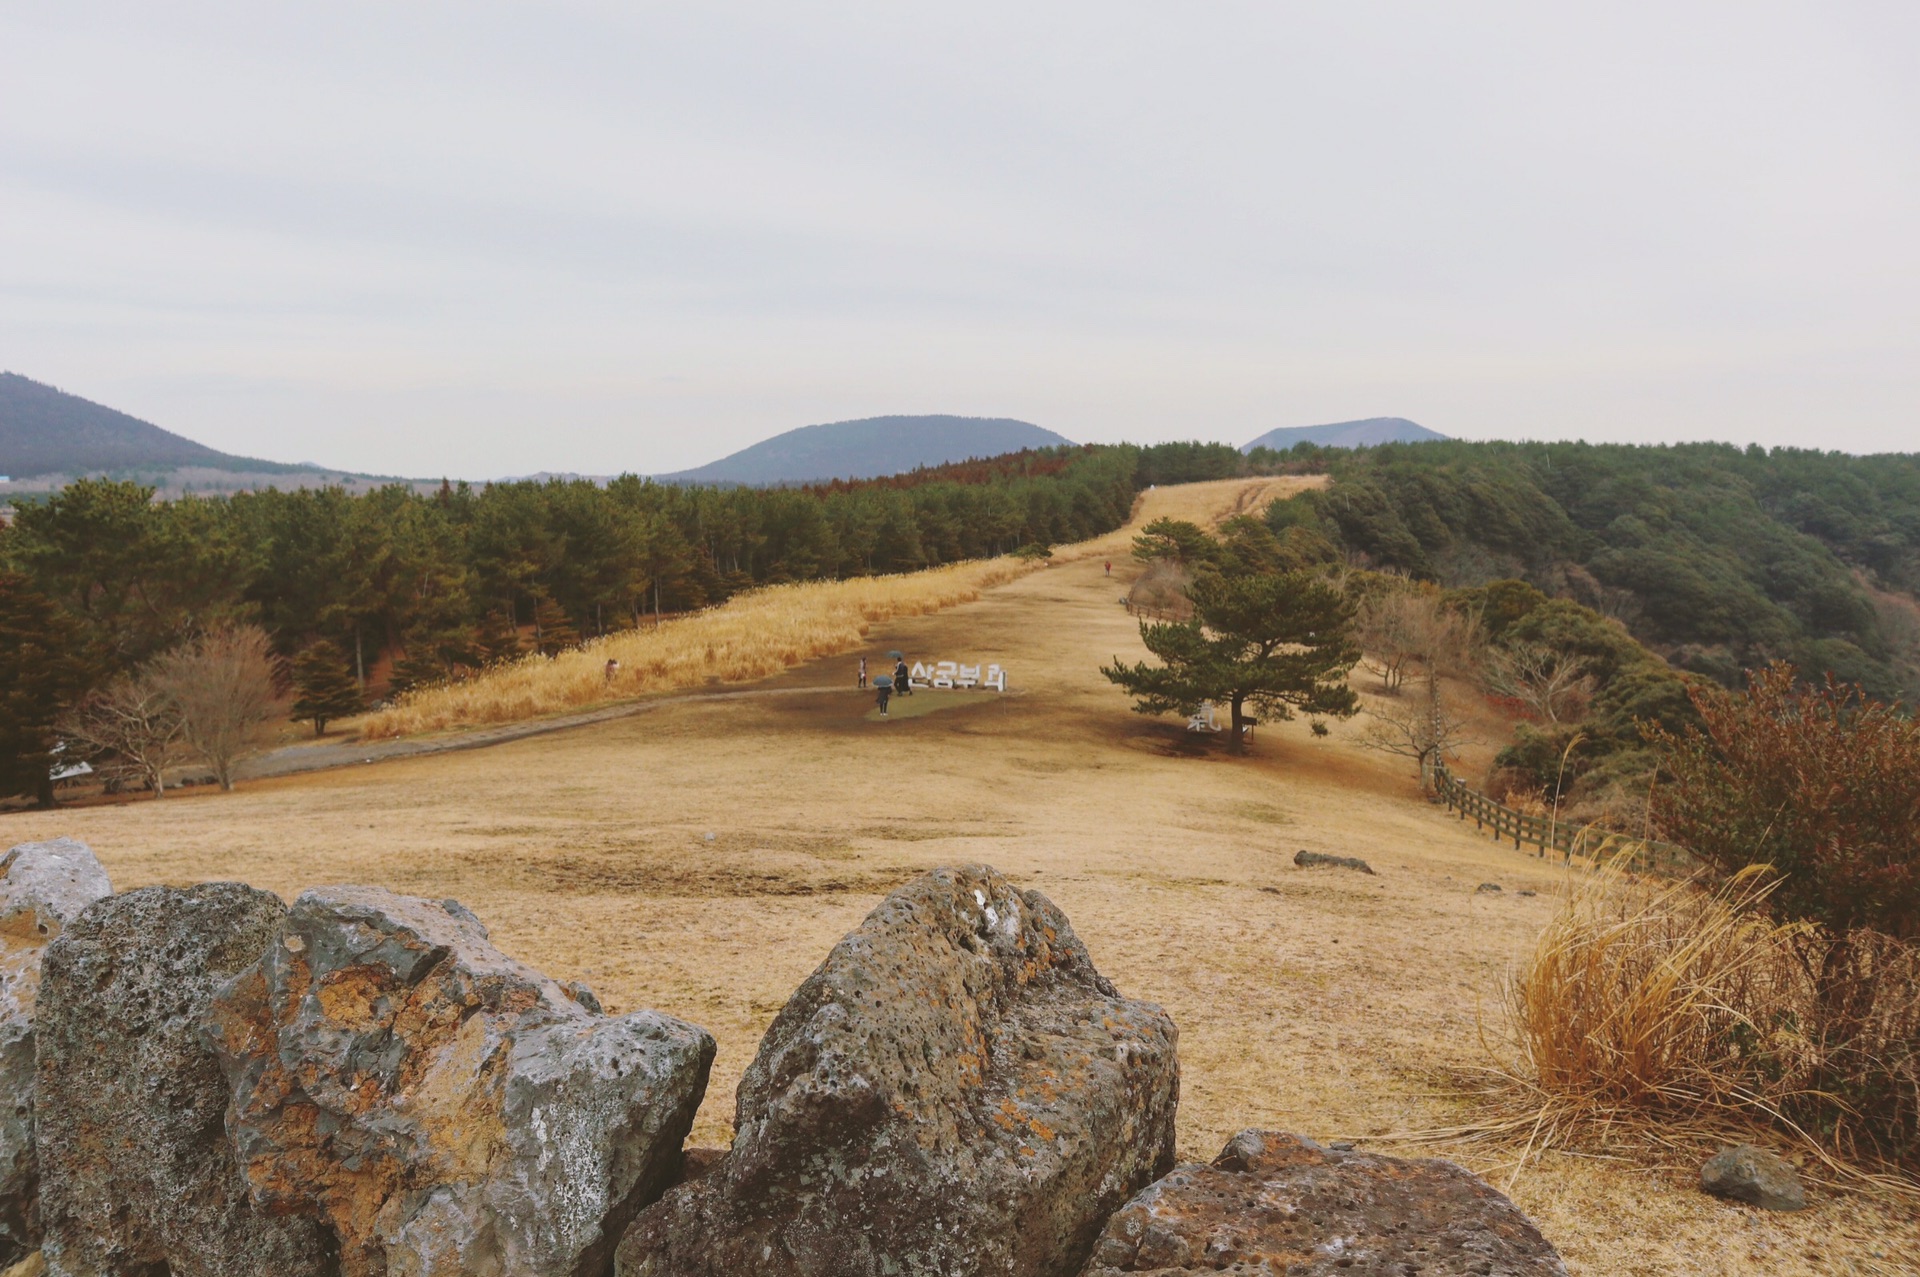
{"x": 955, "y": 1090}
{"x": 1319, "y": 859}
{"x": 136, "y": 1174}
{"x": 443, "y": 1108}
{"x": 1274, "y": 1203}
{"x": 1754, "y": 1176}
{"x": 43, "y": 887}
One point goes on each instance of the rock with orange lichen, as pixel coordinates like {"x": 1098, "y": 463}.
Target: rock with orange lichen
{"x": 443, "y": 1108}
{"x": 955, "y": 1090}
{"x": 43, "y": 887}
{"x": 136, "y": 1174}
{"x": 1273, "y": 1203}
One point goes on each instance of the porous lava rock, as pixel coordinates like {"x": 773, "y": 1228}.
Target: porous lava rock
{"x": 1752, "y": 1175}
{"x": 446, "y": 1109}
{"x": 955, "y": 1090}
{"x": 1273, "y": 1203}
{"x": 43, "y": 887}
{"x": 1320, "y": 860}
{"x": 136, "y": 1174}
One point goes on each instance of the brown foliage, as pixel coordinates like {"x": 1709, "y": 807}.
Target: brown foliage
{"x": 1819, "y": 783}
{"x": 223, "y": 684}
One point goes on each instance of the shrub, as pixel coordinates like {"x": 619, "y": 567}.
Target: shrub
{"x": 1672, "y": 1014}
{"x": 1819, "y": 783}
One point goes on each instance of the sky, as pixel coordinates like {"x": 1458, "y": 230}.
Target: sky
{"x": 485, "y": 238}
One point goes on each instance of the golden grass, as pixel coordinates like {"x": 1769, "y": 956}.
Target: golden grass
{"x": 750, "y": 637}
{"x": 1657, "y": 1020}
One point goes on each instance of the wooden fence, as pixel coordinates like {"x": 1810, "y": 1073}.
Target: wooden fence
{"x": 1547, "y": 833}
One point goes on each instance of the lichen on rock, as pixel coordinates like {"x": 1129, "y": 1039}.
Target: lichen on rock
{"x": 443, "y": 1108}
{"x": 137, "y": 1175}
{"x": 43, "y": 887}
{"x": 954, "y": 1090}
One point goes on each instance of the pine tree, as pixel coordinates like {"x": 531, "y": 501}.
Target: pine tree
{"x": 499, "y": 637}
{"x": 1276, "y": 642}
{"x": 327, "y": 689}
{"x": 553, "y": 630}
{"x": 41, "y": 674}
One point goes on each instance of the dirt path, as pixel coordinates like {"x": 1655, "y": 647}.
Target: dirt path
{"x": 702, "y": 856}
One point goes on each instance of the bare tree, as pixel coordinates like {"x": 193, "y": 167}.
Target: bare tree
{"x": 132, "y": 727}
{"x": 1408, "y": 629}
{"x": 1551, "y": 684}
{"x": 1425, "y": 729}
{"x": 223, "y": 685}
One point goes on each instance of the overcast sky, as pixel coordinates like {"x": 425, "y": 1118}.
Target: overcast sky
{"x": 486, "y": 239}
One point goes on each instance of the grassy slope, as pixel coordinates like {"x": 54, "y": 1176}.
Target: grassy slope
{"x": 1316, "y": 1001}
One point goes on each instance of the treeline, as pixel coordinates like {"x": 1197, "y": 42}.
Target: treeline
{"x": 1719, "y": 558}
{"x": 100, "y": 579}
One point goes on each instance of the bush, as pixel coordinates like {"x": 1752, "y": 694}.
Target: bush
{"x": 1821, "y": 784}
{"x": 1672, "y": 1014}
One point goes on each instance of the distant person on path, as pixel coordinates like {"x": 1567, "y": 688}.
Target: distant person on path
{"x": 863, "y": 672}
{"x": 1109, "y": 567}
{"x": 613, "y": 667}
{"x": 885, "y": 687}
{"x": 901, "y": 679}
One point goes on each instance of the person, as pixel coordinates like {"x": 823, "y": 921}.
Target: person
{"x": 613, "y": 667}
{"x": 902, "y": 681}
{"x": 1109, "y": 567}
{"x": 884, "y": 688}
{"x": 863, "y": 672}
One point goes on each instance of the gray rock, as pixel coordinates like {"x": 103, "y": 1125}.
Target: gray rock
{"x": 137, "y": 1176}
{"x": 1273, "y": 1203}
{"x": 954, "y": 1091}
{"x": 1486, "y": 889}
{"x": 43, "y": 887}
{"x": 445, "y": 1109}
{"x": 1754, "y": 1176}
{"x": 1316, "y": 859}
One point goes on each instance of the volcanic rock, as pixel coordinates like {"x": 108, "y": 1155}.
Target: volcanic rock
{"x": 955, "y": 1090}
{"x": 1319, "y": 859}
{"x": 136, "y": 1174}
{"x": 43, "y": 887}
{"x": 1273, "y": 1203}
{"x": 1754, "y": 1176}
{"x": 444, "y": 1108}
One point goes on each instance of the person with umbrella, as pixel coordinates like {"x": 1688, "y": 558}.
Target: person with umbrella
{"x": 883, "y": 692}
{"x": 902, "y": 681}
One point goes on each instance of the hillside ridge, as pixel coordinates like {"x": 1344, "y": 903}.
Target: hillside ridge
{"x": 45, "y": 431}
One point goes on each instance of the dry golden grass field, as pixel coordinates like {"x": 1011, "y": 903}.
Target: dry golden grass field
{"x": 702, "y": 857}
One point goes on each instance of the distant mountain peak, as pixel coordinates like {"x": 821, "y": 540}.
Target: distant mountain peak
{"x": 46, "y": 431}
{"x": 870, "y": 448}
{"x": 1365, "y": 433}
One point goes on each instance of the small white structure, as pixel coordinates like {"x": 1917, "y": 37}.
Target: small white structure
{"x": 1204, "y": 721}
{"x": 947, "y": 675}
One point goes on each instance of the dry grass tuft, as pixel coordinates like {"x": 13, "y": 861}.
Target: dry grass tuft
{"x": 750, "y": 637}
{"x": 1657, "y": 1020}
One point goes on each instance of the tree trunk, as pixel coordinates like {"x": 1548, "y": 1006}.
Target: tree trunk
{"x": 359, "y": 663}
{"x": 1237, "y": 742}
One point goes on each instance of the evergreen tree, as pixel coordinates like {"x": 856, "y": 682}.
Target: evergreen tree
{"x": 1276, "y": 642}
{"x": 499, "y": 637}
{"x": 553, "y": 631}
{"x": 325, "y": 687}
{"x": 42, "y": 673}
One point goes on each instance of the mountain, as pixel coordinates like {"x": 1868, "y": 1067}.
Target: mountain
{"x": 869, "y": 448}
{"x": 44, "y": 431}
{"x": 1346, "y": 434}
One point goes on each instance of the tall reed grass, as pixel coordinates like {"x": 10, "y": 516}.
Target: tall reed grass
{"x": 1656, "y": 1017}
{"x": 749, "y": 637}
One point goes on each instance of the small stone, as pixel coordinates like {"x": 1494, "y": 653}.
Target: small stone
{"x": 43, "y": 887}
{"x": 1526, "y": 893}
{"x": 1313, "y": 859}
{"x": 1486, "y": 888}
{"x": 1341, "y": 1146}
{"x": 1754, "y": 1176}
